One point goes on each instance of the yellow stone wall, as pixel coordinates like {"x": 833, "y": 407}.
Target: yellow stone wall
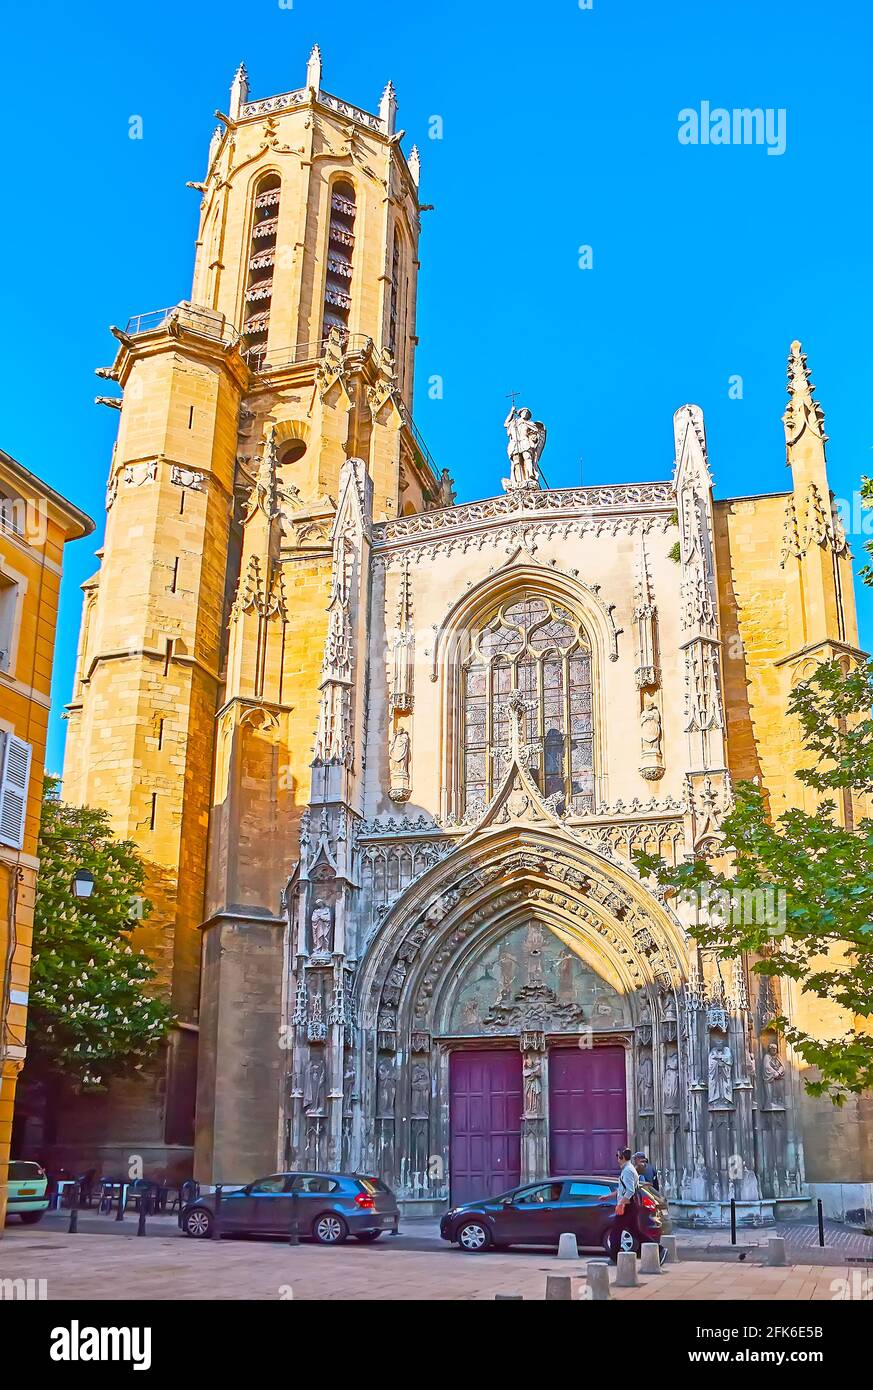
{"x": 33, "y": 560}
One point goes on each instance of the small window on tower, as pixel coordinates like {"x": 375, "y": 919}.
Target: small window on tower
{"x": 340, "y": 250}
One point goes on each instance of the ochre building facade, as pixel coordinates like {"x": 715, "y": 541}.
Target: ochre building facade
{"x": 35, "y": 525}
{"x": 388, "y": 758}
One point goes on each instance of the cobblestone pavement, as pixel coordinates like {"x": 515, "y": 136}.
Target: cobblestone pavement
{"x": 109, "y": 1267}
{"x": 843, "y": 1243}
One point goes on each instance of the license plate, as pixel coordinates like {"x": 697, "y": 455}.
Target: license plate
{"x": 387, "y": 1220}
{"x": 27, "y": 1191}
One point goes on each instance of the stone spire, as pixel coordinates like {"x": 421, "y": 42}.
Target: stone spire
{"x": 313, "y": 69}
{"x": 239, "y": 92}
{"x": 804, "y": 412}
{"x": 388, "y": 109}
{"x": 414, "y": 162}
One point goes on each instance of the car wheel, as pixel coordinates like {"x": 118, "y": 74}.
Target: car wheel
{"x": 474, "y": 1237}
{"x": 368, "y": 1236}
{"x": 627, "y": 1242}
{"x": 30, "y": 1218}
{"x": 330, "y": 1229}
{"x": 199, "y": 1223}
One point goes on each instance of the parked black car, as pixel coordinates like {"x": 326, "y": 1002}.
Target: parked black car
{"x": 539, "y": 1213}
{"x": 329, "y": 1208}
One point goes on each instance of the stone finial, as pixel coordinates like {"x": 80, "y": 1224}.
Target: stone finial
{"x": 414, "y": 162}
{"x": 239, "y": 92}
{"x": 313, "y": 69}
{"x": 388, "y": 109}
{"x": 803, "y": 412}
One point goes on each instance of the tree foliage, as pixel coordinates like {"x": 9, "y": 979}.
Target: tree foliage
{"x": 92, "y": 1013}
{"x": 820, "y": 873}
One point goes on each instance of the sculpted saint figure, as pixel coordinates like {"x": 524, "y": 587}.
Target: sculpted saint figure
{"x": 527, "y": 439}
{"x": 313, "y": 1098}
{"x": 533, "y": 1087}
{"x": 671, "y": 1082}
{"x": 650, "y": 727}
{"x": 720, "y": 1081}
{"x": 773, "y": 1073}
{"x": 320, "y": 922}
{"x": 646, "y": 1083}
{"x": 398, "y": 756}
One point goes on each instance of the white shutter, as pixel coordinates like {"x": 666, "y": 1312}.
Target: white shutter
{"x": 13, "y": 791}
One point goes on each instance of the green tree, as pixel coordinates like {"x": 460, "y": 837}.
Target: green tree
{"x": 92, "y": 1014}
{"x": 823, "y": 938}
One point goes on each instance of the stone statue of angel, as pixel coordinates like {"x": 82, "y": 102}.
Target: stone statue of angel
{"x": 527, "y": 439}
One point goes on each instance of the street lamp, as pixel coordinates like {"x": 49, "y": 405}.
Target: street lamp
{"x": 83, "y": 883}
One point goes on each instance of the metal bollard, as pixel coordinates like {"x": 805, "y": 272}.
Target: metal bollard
{"x": 216, "y": 1235}
{"x": 568, "y": 1248}
{"x": 821, "y": 1236}
{"x": 558, "y": 1286}
{"x": 119, "y": 1215}
{"x": 733, "y": 1221}
{"x": 626, "y": 1270}
{"x": 143, "y": 1212}
{"x": 74, "y": 1211}
{"x": 598, "y": 1281}
{"x": 294, "y": 1227}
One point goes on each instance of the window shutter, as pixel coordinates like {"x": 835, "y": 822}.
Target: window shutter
{"x": 13, "y": 791}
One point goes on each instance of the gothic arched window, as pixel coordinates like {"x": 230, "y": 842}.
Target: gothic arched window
{"x": 262, "y": 259}
{"x": 538, "y": 649}
{"x": 341, "y": 246}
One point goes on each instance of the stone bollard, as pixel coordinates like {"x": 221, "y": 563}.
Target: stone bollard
{"x": 598, "y": 1281}
{"x": 650, "y": 1258}
{"x": 776, "y": 1250}
{"x": 626, "y": 1270}
{"x": 558, "y": 1286}
{"x": 568, "y": 1248}
{"x": 668, "y": 1243}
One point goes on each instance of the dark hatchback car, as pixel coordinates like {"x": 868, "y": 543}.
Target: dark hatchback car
{"x": 329, "y": 1208}
{"x": 539, "y": 1213}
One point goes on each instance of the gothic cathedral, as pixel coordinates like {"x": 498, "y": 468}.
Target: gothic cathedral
{"x": 388, "y": 758}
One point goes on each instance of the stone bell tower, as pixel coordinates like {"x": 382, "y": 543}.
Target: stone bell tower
{"x": 200, "y": 665}
{"x": 309, "y": 243}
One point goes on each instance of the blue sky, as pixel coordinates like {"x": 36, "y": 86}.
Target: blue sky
{"x": 559, "y": 131}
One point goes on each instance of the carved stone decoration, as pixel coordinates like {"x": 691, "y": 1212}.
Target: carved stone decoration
{"x": 314, "y": 1092}
{"x": 773, "y": 1077}
{"x": 720, "y": 1076}
{"x": 333, "y": 368}
{"x": 420, "y": 1091}
{"x": 647, "y": 674}
{"x": 386, "y": 1089}
{"x": 651, "y": 754}
{"x": 316, "y": 1025}
{"x": 135, "y": 474}
{"x": 321, "y": 927}
{"x": 532, "y": 1084}
{"x": 400, "y": 699}
{"x": 186, "y": 477}
{"x": 527, "y": 439}
{"x": 645, "y": 1082}
{"x": 399, "y": 754}
{"x": 670, "y": 1083}
{"x": 386, "y": 1036}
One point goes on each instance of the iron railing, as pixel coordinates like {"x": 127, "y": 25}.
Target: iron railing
{"x": 203, "y": 321}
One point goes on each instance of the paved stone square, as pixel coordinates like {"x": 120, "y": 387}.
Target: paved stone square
{"x": 107, "y": 1267}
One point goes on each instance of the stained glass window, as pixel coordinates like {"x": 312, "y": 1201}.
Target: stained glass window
{"x": 536, "y": 648}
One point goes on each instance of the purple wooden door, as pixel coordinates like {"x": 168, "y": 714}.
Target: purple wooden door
{"x": 485, "y": 1119}
{"x": 587, "y": 1109}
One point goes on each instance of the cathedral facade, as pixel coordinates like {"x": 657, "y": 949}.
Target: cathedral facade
{"x": 389, "y": 758}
